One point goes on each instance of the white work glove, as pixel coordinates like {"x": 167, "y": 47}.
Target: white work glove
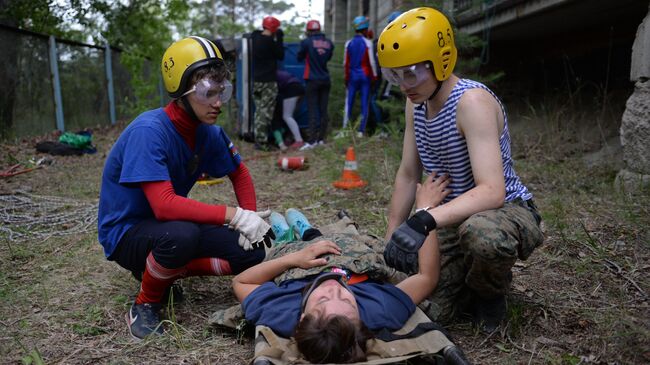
{"x": 245, "y": 243}
{"x": 254, "y": 230}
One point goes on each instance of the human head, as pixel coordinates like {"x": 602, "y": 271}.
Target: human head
{"x": 328, "y": 295}
{"x": 361, "y": 23}
{"x": 333, "y": 339}
{"x": 419, "y": 35}
{"x": 392, "y": 16}
{"x": 194, "y": 73}
{"x": 271, "y": 24}
{"x": 330, "y": 330}
{"x": 313, "y": 26}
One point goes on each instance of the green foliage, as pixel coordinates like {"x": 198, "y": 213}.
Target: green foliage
{"x": 144, "y": 45}
{"x": 34, "y": 357}
{"x": 34, "y": 15}
{"x": 228, "y": 18}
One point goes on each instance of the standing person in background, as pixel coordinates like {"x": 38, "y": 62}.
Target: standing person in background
{"x": 360, "y": 69}
{"x": 268, "y": 49}
{"x": 316, "y": 50}
{"x": 146, "y": 223}
{"x": 457, "y": 128}
{"x": 374, "y": 87}
{"x": 290, "y": 90}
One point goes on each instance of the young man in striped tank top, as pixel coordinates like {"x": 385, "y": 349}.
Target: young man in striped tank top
{"x": 457, "y": 134}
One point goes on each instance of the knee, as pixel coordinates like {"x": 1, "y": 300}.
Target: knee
{"x": 251, "y": 258}
{"x": 178, "y": 245}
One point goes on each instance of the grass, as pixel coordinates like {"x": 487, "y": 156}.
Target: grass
{"x": 580, "y": 298}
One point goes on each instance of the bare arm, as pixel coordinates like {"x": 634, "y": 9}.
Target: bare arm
{"x": 407, "y": 178}
{"x": 420, "y": 285}
{"x": 480, "y": 121}
{"x": 248, "y": 280}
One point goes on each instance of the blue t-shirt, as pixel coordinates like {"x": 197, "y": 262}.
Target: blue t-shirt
{"x": 381, "y": 305}
{"x": 150, "y": 149}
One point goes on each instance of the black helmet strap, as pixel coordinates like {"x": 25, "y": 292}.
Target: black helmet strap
{"x": 189, "y": 109}
{"x": 435, "y": 92}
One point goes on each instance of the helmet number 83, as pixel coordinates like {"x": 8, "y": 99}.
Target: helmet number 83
{"x": 171, "y": 64}
{"x": 441, "y": 39}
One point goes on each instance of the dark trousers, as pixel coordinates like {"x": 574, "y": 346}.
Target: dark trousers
{"x": 318, "y": 93}
{"x": 175, "y": 243}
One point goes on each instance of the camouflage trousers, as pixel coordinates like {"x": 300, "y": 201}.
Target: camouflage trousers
{"x": 477, "y": 256}
{"x": 361, "y": 254}
{"x": 264, "y": 95}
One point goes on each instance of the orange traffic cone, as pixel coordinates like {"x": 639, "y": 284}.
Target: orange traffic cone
{"x": 350, "y": 178}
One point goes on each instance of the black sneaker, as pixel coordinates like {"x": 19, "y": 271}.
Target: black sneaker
{"x": 489, "y": 313}
{"x": 144, "y": 320}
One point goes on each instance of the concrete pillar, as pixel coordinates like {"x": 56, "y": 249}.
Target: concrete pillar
{"x": 348, "y": 21}
{"x": 339, "y": 15}
{"x": 374, "y": 15}
{"x": 635, "y": 126}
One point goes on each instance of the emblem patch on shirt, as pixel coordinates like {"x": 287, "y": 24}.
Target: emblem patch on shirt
{"x": 233, "y": 150}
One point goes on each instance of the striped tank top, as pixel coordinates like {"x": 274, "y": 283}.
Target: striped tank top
{"x": 444, "y": 150}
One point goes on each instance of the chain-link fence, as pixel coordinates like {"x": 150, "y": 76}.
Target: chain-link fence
{"x": 50, "y": 83}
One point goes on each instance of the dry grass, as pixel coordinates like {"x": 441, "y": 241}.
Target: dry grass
{"x": 581, "y": 298}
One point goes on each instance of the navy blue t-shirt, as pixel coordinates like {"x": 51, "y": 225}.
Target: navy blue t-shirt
{"x": 150, "y": 149}
{"x": 381, "y": 305}
{"x": 316, "y": 51}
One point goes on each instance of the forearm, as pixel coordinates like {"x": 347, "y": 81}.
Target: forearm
{"x": 421, "y": 284}
{"x": 242, "y": 183}
{"x": 477, "y": 199}
{"x": 265, "y": 271}
{"x": 167, "y": 206}
{"x": 400, "y": 203}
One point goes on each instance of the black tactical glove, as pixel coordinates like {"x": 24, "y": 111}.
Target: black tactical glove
{"x": 402, "y": 250}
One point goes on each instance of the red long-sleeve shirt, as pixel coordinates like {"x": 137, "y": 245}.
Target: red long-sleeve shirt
{"x": 167, "y": 205}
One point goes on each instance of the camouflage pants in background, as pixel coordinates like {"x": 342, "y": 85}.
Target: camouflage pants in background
{"x": 478, "y": 255}
{"x": 264, "y": 95}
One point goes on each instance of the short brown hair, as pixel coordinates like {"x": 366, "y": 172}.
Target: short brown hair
{"x": 333, "y": 339}
{"x": 216, "y": 72}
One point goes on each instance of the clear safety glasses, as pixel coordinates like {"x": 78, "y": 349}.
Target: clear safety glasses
{"x": 408, "y": 76}
{"x": 208, "y": 91}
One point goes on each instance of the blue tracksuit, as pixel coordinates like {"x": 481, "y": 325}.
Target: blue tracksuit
{"x": 360, "y": 70}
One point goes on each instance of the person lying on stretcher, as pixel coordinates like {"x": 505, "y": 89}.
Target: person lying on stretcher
{"x": 331, "y": 314}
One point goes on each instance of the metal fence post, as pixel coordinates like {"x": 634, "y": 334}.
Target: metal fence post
{"x": 109, "y": 81}
{"x": 56, "y": 85}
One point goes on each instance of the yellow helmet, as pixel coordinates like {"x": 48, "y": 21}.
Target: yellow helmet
{"x": 420, "y": 34}
{"x": 184, "y": 57}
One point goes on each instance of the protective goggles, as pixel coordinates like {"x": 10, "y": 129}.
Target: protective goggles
{"x": 340, "y": 277}
{"x": 408, "y": 76}
{"x": 208, "y": 91}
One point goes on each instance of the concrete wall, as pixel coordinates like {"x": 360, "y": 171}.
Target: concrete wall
{"x": 340, "y": 13}
{"x": 635, "y": 124}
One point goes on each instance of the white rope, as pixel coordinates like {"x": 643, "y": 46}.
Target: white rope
{"x": 27, "y": 216}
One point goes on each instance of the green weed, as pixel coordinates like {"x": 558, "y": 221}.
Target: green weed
{"x": 89, "y": 322}
{"x": 515, "y": 317}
